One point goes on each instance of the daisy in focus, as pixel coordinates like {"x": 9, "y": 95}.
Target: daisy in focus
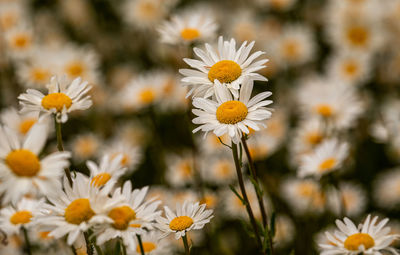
{"x": 370, "y": 237}
{"x": 226, "y": 65}
{"x": 188, "y": 27}
{"x": 188, "y": 216}
{"x": 230, "y": 116}
{"x": 62, "y": 98}
{"x": 21, "y": 170}
{"x": 109, "y": 170}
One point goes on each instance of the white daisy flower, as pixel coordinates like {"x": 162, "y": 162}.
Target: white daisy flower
{"x": 132, "y": 216}
{"x": 62, "y": 98}
{"x": 227, "y": 65}
{"x": 109, "y": 170}
{"x": 12, "y": 218}
{"x": 231, "y": 116}
{"x": 72, "y": 211}
{"x": 84, "y": 146}
{"x": 21, "y": 170}
{"x": 387, "y": 189}
{"x": 144, "y": 14}
{"x": 153, "y": 244}
{"x": 19, "y": 41}
{"x": 131, "y": 155}
{"x": 193, "y": 25}
{"x": 188, "y": 216}
{"x": 12, "y": 14}
{"x": 351, "y": 198}
{"x": 284, "y": 231}
{"x": 180, "y": 169}
{"x": 327, "y": 157}
{"x": 370, "y": 237}
{"x": 218, "y": 170}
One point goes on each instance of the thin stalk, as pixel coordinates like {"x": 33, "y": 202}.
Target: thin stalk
{"x": 61, "y": 148}
{"x": 140, "y": 244}
{"x": 123, "y": 247}
{"x": 98, "y": 249}
{"x": 186, "y": 244}
{"x": 253, "y": 173}
{"x": 27, "y": 242}
{"x": 244, "y": 194}
{"x": 89, "y": 247}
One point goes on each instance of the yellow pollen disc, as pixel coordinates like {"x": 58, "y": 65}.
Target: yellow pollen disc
{"x": 78, "y": 211}
{"x": 358, "y": 36}
{"x": 57, "y": 101}
{"x": 135, "y": 225}
{"x": 147, "y": 247}
{"x": 291, "y": 50}
{"x": 23, "y": 163}
{"x": 180, "y": 223}
{"x": 186, "y": 168}
{"x": 21, "y": 41}
{"x": 147, "y": 96}
{"x": 325, "y": 110}
{"x": 226, "y": 71}
{"x": 21, "y": 217}
{"x": 350, "y": 68}
{"x": 26, "y": 125}
{"x": 314, "y": 138}
{"x": 306, "y": 189}
{"x": 75, "y": 68}
{"x": 8, "y": 20}
{"x": 85, "y": 146}
{"x": 209, "y": 200}
{"x": 327, "y": 164}
{"x": 354, "y": 241}
{"x": 190, "y": 34}
{"x": 45, "y": 235}
{"x": 231, "y": 112}
{"x": 40, "y": 75}
{"x": 224, "y": 169}
{"x": 122, "y": 216}
{"x": 100, "y": 179}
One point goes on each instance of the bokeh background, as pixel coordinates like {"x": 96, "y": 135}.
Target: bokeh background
{"x": 114, "y": 44}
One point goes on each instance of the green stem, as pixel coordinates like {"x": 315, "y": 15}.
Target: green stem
{"x": 61, "y": 148}
{"x": 186, "y": 244}
{"x": 123, "y": 247}
{"x": 253, "y": 173}
{"x": 244, "y": 195}
{"x": 140, "y": 244}
{"x": 89, "y": 247}
{"x": 98, "y": 249}
{"x": 27, "y": 242}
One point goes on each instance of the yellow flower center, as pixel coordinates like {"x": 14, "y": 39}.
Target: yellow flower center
{"x": 147, "y": 247}
{"x": 231, "y": 112}
{"x": 26, "y": 125}
{"x": 8, "y": 20}
{"x": 122, "y": 216}
{"x": 225, "y": 71}
{"x": 44, "y": 235}
{"x": 224, "y": 169}
{"x": 306, "y": 189}
{"x": 56, "y": 100}
{"x": 354, "y": 241}
{"x": 40, "y": 75}
{"x": 78, "y": 211}
{"x": 21, "y": 41}
{"x": 190, "y": 34}
{"x": 100, "y": 179}
{"x": 186, "y": 168}
{"x": 291, "y": 50}
{"x": 86, "y": 146}
{"x": 325, "y": 110}
{"x": 314, "y": 138}
{"x": 147, "y": 96}
{"x": 327, "y": 164}
{"x": 23, "y": 163}
{"x": 181, "y": 223}
{"x": 209, "y": 200}
{"x": 350, "y": 68}
{"x": 21, "y": 217}
{"x": 358, "y": 36}
{"x": 75, "y": 68}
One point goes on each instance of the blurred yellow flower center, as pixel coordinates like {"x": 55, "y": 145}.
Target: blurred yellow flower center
{"x": 231, "y": 112}
{"x": 306, "y": 189}
{"x": 26, "y": 125}
{"x": 74, "y": 68}
{"x": 291, "y": 49}
{"x": 147, "y": 96}
{"x": 147, "y": 247}
{"x": 78, "y": 211}
{"x": 45, "y": 235}
{"x": 354, "y": 241}
{"x": 86, "y": 146}
{"x": 190, "y": 34}
{"x": 57, "y": 101}
{"x": 40, "y": 75}
{"x": 186, "y": 168}
{"x": 181, "y": 223}
{"x": 209, "y": 200}
{"x": 350, "y": 68}
{"x": 122, "y": 216}
{"x": 224, "y": 169}
{"x": 8, "y": 20}
{"x": 225, "y": 71}
{"x": 23, "y": 163}
{"x": 314, "y": 138}
{"x": 21, "y": 217}
{"x": 327, "y": 164}
{"x": 21, "y": 41}
{"x": 100, "y": 179}
{"x": 324, "y": 110}
{"x": 358, "y": 35}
